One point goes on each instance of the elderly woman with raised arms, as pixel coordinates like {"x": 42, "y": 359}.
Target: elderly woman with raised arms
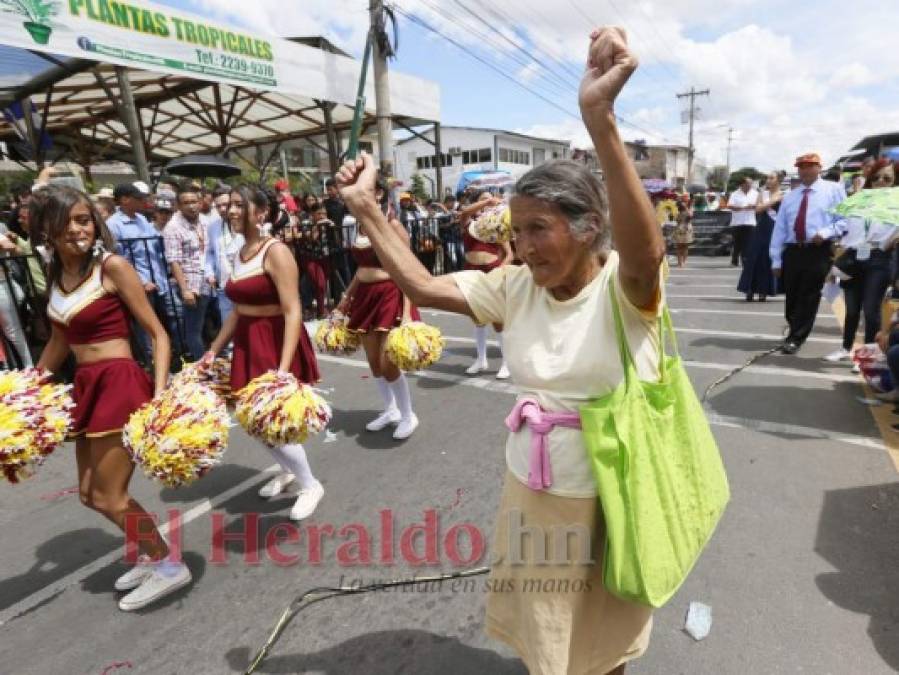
{"x": 562, "y": 351}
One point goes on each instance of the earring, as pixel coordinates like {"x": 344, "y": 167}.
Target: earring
{"x": 265, "y": 229}
{"x": 99, "y": 249}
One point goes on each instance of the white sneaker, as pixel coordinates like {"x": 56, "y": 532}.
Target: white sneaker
{"x": 155, "y": 587}
{"x": 839, "y": 355}
{"x": 307, "y": 501}
{"x": 389, "y": 416}
{"x": 503, "y": 372}
{"x": 405, "y": 428}
{"x": 856, "y": 368}
{"x": 476, "y": 367}
{"x": 136, "y": 575}
{"x": 276, "y": 485}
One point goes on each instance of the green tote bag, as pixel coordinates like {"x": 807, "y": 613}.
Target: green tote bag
{"x": 659, "y": 475}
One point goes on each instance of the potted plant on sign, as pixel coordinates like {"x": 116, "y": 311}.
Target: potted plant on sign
{"x": 37, "y": 13}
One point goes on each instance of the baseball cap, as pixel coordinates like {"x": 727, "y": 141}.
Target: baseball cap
{"x": 405, "y": 195}
{"x": 808, "y": 158}
{"x": 136, "y": 189}
{"x": 164, "y": 204}
{"x": 281, "y": 184}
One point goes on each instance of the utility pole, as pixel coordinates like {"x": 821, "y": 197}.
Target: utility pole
{"x": 692, "y": 94}
{"x": 382, "y": 90}
{"x": 730, "y": 137}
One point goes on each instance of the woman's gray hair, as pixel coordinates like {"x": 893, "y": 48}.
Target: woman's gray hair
{"x": 574, "y": 190}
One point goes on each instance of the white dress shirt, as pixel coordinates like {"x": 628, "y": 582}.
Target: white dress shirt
{"x": 740, "y": 199}
{"x": 822, "y": 197}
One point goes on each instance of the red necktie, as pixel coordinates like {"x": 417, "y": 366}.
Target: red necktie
{"x": 799, "y": 226}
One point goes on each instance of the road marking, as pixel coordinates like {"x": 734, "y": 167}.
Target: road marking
{"x": 676, "y": 285}
{"x": 75, "y": 576}
{"x": 751, "y": 336}
{"x": 732, "y": 298}
{"x": 792, "y": 429}
{"x": 706, "y": 365}
{"x": 714, "y": 418}
{"x": 737, "y": 312}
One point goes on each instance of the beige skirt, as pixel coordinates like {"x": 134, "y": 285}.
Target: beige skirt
{"x": 558, "y": 615}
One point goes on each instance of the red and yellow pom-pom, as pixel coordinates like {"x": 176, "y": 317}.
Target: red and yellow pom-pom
{"x": 35, "y": 418}
{"x": 493, "y": 226}
{"x": 277, "y": 409}
{"x": 215, "y": 375}
{"x": 414, "y": 345}
{"x": 333, "y": 337}
{"x": 179, "y": 436}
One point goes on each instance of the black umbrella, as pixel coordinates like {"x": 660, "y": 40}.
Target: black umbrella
{"x": 202, "y": 166}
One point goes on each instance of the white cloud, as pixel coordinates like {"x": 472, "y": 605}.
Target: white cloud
{"x": 786, "y": 82}
{"x": 852, "y": 75}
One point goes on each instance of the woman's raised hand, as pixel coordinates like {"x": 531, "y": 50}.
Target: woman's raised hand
{"x": 609, "y": 65}
{"x": 356, "y": 181}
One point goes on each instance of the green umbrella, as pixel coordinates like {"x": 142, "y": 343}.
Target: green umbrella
{"x": 880, "y": 205}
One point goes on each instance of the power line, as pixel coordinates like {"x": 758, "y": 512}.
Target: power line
{"x": 593, "y": 22}
{"x": 518, "y": 47}
{"x": 414, "y": 19}
{"x": 662, "y": 39}
{"x": 424, "y": 24}
{"x": 561, "y": 86}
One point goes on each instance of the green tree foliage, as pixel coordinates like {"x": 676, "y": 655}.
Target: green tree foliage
{"x": 737, "y": 177}
{"x": 418, "y": 188}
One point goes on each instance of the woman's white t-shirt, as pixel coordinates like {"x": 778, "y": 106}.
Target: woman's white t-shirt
{"x": 563, "y": 353}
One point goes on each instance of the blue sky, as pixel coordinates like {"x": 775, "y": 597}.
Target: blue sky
{"x": 788, "y": 79}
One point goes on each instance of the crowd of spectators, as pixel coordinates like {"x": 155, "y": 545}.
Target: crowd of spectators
{"x": 178, "y": 238}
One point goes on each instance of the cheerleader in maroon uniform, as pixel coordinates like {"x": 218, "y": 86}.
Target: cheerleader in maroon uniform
{"x": 374, "y": 305}
{"x": 267, "y": 329}
{"x": 485, "y": 257}
{"x": 94, "y": 296}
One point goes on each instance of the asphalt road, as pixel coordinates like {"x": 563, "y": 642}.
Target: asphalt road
{"x": 802, "y": 575}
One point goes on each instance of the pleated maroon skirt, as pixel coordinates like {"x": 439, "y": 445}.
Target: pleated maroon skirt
{"x": 377, "y": 307}
{"x": 106, "y": 393}
{"x": 257, "y": 350}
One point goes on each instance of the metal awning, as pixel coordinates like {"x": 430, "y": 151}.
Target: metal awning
{"x": 77, "y": 103}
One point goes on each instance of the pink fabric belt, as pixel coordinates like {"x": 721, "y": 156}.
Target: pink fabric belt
{"x": 540, "y": 423}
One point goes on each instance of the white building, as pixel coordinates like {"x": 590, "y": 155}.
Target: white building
{"x": 473, "y": 149}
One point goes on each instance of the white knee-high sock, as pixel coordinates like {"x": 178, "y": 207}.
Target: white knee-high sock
{"x": 480, "y": 339}
{"x": 400, "y": 388}
{"x": 279, "y": 458}
{"x": 293, "y": 458}
{"x": 386, "y": 393}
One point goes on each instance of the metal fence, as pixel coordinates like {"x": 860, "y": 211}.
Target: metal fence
{"x": 435, "y": 240}
{"x": 25, "y": 327}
